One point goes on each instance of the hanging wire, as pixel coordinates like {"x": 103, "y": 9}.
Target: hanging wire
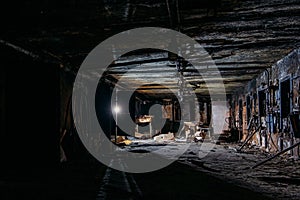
{"x": 169, "y": 12}
{"x": 178, "y": 16}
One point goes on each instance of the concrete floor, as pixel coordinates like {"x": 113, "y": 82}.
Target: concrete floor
{"x": 222, "y": 174}
{"x": 177, "y": 181}
{"x": 70, "y": 181}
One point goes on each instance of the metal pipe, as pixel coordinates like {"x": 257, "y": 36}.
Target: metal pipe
{"x": 250, "y": 136}
{"x": 276, "y": 155}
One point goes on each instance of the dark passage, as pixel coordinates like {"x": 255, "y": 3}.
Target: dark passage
{"x": 242, "y": 97}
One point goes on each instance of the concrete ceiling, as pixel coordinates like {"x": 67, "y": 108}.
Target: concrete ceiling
{"x": 242, "y": 37}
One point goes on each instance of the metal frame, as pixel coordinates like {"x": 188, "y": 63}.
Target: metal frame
{"x": 284, "y": 79}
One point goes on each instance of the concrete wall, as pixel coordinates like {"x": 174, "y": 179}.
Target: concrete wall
{"x": 289, "y": 66}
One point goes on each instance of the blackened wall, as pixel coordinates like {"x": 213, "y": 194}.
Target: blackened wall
{"x": 31, "y": 112}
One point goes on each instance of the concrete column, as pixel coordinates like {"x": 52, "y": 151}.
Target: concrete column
{"x": 197, "y": 111}
{"x": 218, "y": 116}
{"x": 186, "y": 112}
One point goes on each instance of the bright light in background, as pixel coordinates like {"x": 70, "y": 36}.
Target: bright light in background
{"x": 117, "y": 109}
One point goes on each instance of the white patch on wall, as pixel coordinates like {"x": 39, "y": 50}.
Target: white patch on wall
{"x": 219, "y": 113}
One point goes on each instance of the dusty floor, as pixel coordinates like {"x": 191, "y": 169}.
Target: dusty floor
{"x": 277, "y": 179}
{"x": 180, "y": 182}
{"x": 213, "y": 172}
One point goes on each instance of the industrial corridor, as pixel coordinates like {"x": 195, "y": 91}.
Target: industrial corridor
{"x": 150, "y": 99}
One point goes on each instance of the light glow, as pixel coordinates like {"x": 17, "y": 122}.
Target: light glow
{"x": 117, "y": 109}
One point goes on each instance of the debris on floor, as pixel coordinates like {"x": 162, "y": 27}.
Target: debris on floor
{"x": 164, "y": 137}
{"x": 277, "y": 179}
{"x": 199, "y": 136}
{"x": 122, "y": 140}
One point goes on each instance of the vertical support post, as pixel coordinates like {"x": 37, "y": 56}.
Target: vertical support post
{"x": 136, "y": 128}
{"x": 116, "y": 111}
{"x": 150, "y": 127}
